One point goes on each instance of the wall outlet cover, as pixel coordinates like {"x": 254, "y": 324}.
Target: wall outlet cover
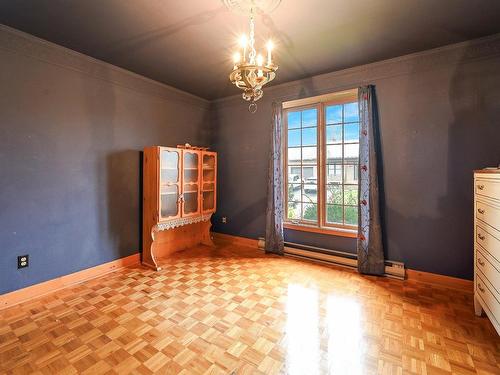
{"x": 23, "y": 261}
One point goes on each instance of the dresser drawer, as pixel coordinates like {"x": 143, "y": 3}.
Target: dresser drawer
{"x": 488, "y": 298}
{"x": 488, "y": 242}
{"x": 488, "y": 267}
{"x": 487, "y": 188}
{"x": 488, "y": 214}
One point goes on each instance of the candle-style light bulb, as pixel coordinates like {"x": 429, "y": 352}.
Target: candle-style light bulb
{"x": 243, "y": 44}
{"x": 260, "y": 59}
{"x": 236, "y": 58}
{"x": 270, "y": 47}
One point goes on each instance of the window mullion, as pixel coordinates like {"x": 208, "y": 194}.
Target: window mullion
{"x": 321, "y": 165}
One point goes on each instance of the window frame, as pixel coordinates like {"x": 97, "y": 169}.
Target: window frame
{"x": 319, "y": 103}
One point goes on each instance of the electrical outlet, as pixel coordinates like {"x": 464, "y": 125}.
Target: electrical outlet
{"x": 224, "y": 220}
{"x": 23, "y": 261}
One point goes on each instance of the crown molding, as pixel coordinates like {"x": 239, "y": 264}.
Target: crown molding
{"x": 19, "y": 42}
{"x": 28, "y": 45}
{"x": 453, "y": 54}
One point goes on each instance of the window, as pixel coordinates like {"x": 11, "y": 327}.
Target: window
{"x": 322, "y": 156}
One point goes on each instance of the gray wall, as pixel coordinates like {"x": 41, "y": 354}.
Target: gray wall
{"x": 72, "y": 128}
{"x": 71, "y": 134}
{"x": 440, "y": 119}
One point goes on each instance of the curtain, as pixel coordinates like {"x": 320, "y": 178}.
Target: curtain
{"x": 370, "y": 241}
{"x": 274, "y": 212}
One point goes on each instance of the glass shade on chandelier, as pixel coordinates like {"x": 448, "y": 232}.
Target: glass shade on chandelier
{"x": 251, "y": 70}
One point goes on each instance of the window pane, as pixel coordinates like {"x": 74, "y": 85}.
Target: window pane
{"x": 294, "y": 174}
{"x": 350, "y": 194}
{"x": 294, "y": 211}
{"x": 351, "y": 215}
{"x": 334, "y": 194}
{"x": 309, "y": 155}
{"x": 351, "y": 153}
{"x": 334, "y": 134}
{"x": 351, "y": 174}
{"x": 334, "y": 154}
{"x": 294, "y": 138}
{"x": 310, "y": 193}
{"x": 309, "y": 137}
{"x": 334, "y": 114}
{"x": 351, "y": 132}
{"x": 351, "y": 112}
{"x": 294, "y": 192}
{"x": 309, "y": 174}
{"x": 334, "y": 213}
{"x": 294, "y": 155}
{"x": 310, "y": 211}
{"x": 334, "y": 173}
{"x": 309, "y": 117}
{"x": 293, "y": 120}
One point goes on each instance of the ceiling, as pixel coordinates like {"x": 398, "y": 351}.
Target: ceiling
{"x": 188, "y": 44}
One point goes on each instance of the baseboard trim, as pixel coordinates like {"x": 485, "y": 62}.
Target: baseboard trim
{"x": 237, "y": 240}
{"x": 411, "y": 275}
{"x": 441, "y": 280}
{"x": 50, "y": 286}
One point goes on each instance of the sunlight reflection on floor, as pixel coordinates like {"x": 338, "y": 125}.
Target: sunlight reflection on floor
{"x": 344, "y": 336}
{"x": 302, "y": 329}
{"x": 343, "y": 332}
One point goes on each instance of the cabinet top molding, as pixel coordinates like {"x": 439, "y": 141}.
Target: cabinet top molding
{"x": 187, "y": 146}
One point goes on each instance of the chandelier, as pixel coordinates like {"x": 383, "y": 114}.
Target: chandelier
{"x": 251, "y": 70}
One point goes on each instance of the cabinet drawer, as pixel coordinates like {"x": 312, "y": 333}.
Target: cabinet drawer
{"x": 486, "y": 265}
{"x": 488, "y": 242}
{"x": 488, "y": 214}
{"x": 487, "y": 188}
{"x": 488, "y": 298}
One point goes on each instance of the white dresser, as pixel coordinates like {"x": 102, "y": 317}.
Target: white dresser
{"x": 487, "y": 244}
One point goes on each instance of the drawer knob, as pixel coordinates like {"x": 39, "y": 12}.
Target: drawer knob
{"x": 480, "y": 187}
{"x": 480, "y": 287}
{"x": 480, "y": 210}
{"x": 480, "y": 261}
{"x": 481, "y": 237}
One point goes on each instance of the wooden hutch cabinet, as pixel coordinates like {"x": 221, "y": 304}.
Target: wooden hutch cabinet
{"x": 179, "y": 198}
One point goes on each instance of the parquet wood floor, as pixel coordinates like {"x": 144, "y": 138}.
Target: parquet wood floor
{"x": 233, "y": 310}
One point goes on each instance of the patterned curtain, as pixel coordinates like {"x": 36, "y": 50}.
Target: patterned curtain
{"x": 274, "y": 213}
{"x": 370, "y": 243}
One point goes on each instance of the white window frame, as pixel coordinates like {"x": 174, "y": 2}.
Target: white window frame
{"x": 320, "y": 103}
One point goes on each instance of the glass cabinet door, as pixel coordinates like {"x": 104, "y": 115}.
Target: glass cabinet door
{"x": 169, "y": 183}
{"x": 209, "y": 167}
{"x": 191, "y": 182}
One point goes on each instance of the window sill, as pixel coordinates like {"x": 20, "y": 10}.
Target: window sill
{"x": 340, "y": 232}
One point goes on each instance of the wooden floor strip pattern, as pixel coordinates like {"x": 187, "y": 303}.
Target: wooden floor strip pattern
{"x": 234, "y": 310}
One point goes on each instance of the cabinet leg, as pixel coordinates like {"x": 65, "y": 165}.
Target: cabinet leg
{"x": 478, "y": 309}
{"x": 148, "y": 257}
{"x": 206, "y": 237}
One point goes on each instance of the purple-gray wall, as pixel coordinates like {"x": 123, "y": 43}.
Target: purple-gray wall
{"x": 440, "y": 120}
{"x": 72, "y": 128}
{"x": 71, "y": 134}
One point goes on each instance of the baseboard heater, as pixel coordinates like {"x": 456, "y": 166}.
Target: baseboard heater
{"x": 392, "y": 269}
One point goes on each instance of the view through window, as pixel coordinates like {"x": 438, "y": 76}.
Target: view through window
{"x": 322, "y": 157}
